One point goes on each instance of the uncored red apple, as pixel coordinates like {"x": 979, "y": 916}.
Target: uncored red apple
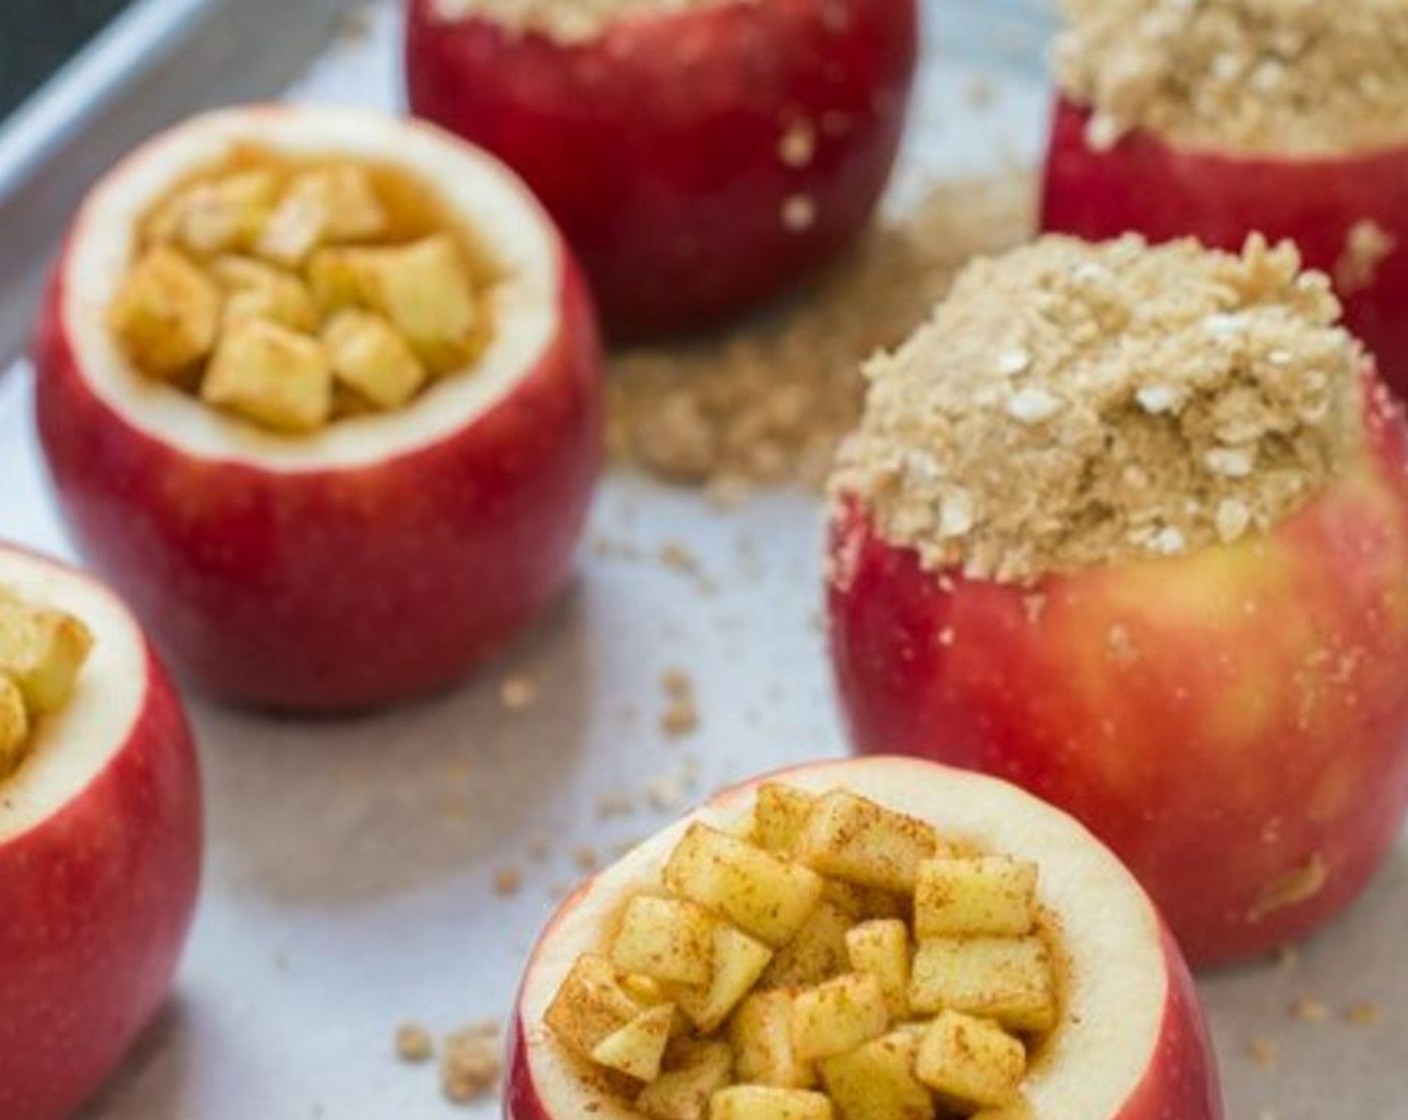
{"x": 382, "y": 557}
{"x": 699, "y": 160}
{"x": 1130, "y": 1044}
{"x": 100, "y": 853}
{"x": 1233, "y": 722}
{"x": 1150, "y": 184}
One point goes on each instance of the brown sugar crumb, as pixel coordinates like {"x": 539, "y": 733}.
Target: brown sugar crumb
{"x": 766, "y": 403}
{"x": 470, "y": 1064}
{"x": 1257, "y": 76}
{"x": 1310, "y": 1011}
{"x": 1264, "y": 1052}
{"x": 1363, "y": 1014}
{"x": 681, "y": 715}
{"x": 517, "y": 693}
{"x": 414, "y": 1044}
{"x": 1366, "y": 247}
{"x": 1137, "y": 392}
{"x": 565, "y": 21}
{"x": 508, "y": 881}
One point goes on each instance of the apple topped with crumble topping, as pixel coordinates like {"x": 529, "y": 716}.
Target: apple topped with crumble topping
{"x": 814, "y": 947}
{"x": 321, "y": 391}
{"x": 1129, "y": 526}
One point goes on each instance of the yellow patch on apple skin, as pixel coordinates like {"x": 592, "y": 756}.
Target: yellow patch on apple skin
{"x": 1297, "y": 886}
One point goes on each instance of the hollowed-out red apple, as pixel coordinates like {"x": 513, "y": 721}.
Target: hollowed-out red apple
{"x": 1130, "y": 1043}
{"x": 699, "y": 159}
{"x": 381, "y": 557}
{"x": 1232, "y": 722}
{"x": 1152, "y": 185}
{"x": 100, "y": 851}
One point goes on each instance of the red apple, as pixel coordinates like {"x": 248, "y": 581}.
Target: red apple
{"x": 1130, "y": 1043}
{"x": 1149, "y": 184}
{"x": 1232, "y": 722}
{"x": 700, "y": 159}
{"x": 382, "y": 557}
{"x": 100, "y": 850}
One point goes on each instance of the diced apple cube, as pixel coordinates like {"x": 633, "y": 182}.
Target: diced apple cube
{"x": 255, "y": 290}
{"x": 763, "y": 1102}
{"x": 638, "y": 1048}
{"x": 42, "y": 651}
{"x": 321, "y": 207}
{"x": 271, "y": 375}
{"x": 816, "y": 954}
{"x": 761, "y": 1034}
{"x": 166, "y": 315}
{"x": 850, "y": 838}
{"x": 877, "y": 1082}
{"x": 739, "y": 960}
{"x": 424, "y": 289}
{"x": 865, "y": 903}
{"x": 971, "y": 1063}
{"x": 217, "y": 216}
{"x": 369, "y": 357}
{"x": 837, "y": 1016}
{"x": 778, "y": 817}
{"x": 335, "y": 279}
{"x": 881, "y": 948}
{"x": 666, "y": 939}
{"x": 757, "y": 891}
{"x": 696, "y": 1071}
{"x": 591, "y": 1006}
{"x": 1007, "y": 979}
{"x": 988, "y": 897}
{"x": 14, "y": 726}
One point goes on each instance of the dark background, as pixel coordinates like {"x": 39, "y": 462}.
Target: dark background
{"x": 36, "y": 36}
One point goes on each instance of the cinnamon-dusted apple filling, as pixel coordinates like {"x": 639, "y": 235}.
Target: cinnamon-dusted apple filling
{"x": 1291, "y": 78}
{"x": 41, "y": 654}
{"x": 838, "y": 959}
{"x": 294, "y": 294}
{"x": 1071, "y": 405}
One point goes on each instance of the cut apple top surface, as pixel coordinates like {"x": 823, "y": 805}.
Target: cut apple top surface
{"x": 72, "y": 674}
{"x": 1151, "y": 401}
{"x": 1245, "y": 75}
{"x": 819, "y": 953}
{"x": 568, "y": 21}
{"x": 257, "y": 274}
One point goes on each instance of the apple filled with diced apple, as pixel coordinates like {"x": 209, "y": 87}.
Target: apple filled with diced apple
{"x": 1128, "y": 526}
{"x": 100, "y": 835}
{"x": 880, "y": 939}
{"x": 700, "y": 156}
{"x": 321, "y": 394}
{"x": 1219, "y": 119}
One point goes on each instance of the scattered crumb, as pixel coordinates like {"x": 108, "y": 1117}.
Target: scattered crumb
{"x": 798, "y": 144}
{"x": 1264, "y": 1052}
{"x": 470, "y": 1064}
{"x": 681, "y": 715}
{"x": 508, "y": 881}
{"x": 1133, "y": 389}
{"x": 1366, "y": 247}
{"x": 799, "y": 213}
{"x": 766, "y": 403}
{"x": 414, "y": 1044}
{"x": 1363, "y": 1014}
{"x": 517, "y": 693}
{"x": 586, "y": 858}
{"x": 677, "y": 557}
{"x": 1310, "y": 1011}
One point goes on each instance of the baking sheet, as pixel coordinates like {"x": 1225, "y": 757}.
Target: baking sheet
{"x": 350, "y": 881}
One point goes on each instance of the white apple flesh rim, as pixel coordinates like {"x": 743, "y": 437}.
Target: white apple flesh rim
{"x": 67, "y": 748}
{"x": 1118, "y": 982}
{"x": 507, "y": 228}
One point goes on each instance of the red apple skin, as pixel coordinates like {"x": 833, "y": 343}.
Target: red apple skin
{"x": 1224, "y": 721}
{"x": 98, "y": 900}
{"x": 1149, "y": 185}
{"x": 656, "y": 147}
{"x": 342, "y": 589}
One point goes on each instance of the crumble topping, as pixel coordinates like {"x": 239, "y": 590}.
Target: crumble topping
{"x": 1073, "y": 404}
{"x": 1295, "y": 76}
{"x": 567, "y": 21}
